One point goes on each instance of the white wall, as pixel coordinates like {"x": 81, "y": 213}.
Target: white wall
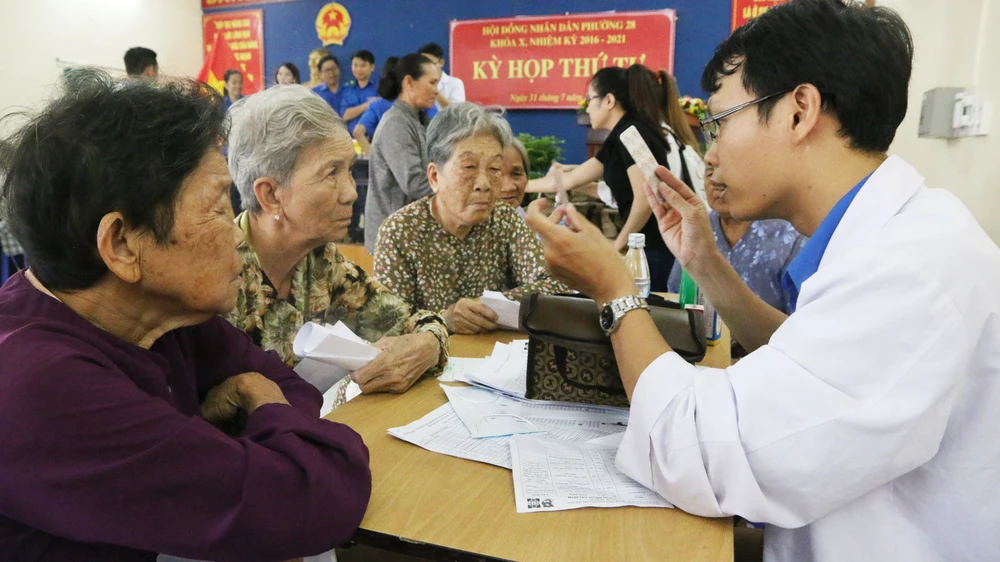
{"x": 34, "y": 33}
{"x": 956, "y": 44}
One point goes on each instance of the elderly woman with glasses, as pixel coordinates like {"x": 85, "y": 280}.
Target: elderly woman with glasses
{"x": 441, "y": 252}
{"x": 290, "y": 157}
{"x": 117, "y": 364}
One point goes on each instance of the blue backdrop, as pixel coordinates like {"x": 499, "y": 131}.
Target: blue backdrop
{"x": 397, "y": 27}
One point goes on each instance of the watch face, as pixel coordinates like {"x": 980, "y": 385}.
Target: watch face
{"x": 607, "y": 317}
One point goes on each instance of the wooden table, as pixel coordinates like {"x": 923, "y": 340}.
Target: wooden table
{"x": 442, "y": 507}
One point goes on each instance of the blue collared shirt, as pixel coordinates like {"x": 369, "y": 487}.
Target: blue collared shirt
{"x": 332, "y": 98}
{"x": 371, "y": 117}
{"x": 807, "y": 262}
{"x": 352, "y": 95}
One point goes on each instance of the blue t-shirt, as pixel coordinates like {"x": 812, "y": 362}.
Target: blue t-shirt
{"x": 352, "y": 95}
{"x": 371, "y": 117}
{"x": 332, "y": 98}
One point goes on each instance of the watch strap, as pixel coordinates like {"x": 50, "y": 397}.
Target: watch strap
{"x": 623, "y": 305}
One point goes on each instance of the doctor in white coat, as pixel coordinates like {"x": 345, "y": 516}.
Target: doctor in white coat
{"x": 865, "y": 425}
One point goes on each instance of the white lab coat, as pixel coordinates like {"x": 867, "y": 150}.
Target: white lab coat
{"x": 453, "y": 89}
{"x": 868, "y": 428}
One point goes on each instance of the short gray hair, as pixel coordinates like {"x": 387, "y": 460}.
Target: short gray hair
{"x": 519, "y": 146}
{"x": 269, "y": 129}
{"x": 460, "y": 121}
{"x": 516, "y": 143}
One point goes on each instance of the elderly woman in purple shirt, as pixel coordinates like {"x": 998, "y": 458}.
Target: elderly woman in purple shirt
{"x": 133, "y": 419}
{"x": 759, "y": 251}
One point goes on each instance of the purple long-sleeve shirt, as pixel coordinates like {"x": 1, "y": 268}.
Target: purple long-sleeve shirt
{"x": 103, "y": 455}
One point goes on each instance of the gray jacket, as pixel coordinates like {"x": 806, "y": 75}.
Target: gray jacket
{"x": 398, "y": 167}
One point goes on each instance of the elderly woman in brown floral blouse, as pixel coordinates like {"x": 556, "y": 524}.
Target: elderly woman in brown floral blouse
{"x": 441, "y": 252}
{"x": 290, "y": 157}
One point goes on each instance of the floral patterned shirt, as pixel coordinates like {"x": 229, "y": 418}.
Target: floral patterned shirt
{"x": 760, "y": 257}
{"x": 419, "y": 260}
{"x": 326, "y": 287}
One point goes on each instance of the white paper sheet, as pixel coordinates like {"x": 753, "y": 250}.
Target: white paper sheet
{"x": 329, "y": 353}
{"x": 555, "y": 476}
{"x": 457, "y": 368}
{"x": 441, "y": 431}
{"x": 321, "y": 375}
{"x": 506, "y": 309}
{"x": 486, "y": 413}
{"x": 506, "y": 370}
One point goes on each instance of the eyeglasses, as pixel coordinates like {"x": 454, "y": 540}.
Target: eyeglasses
{"x": 588, "y": 99}
{"x": 710, "y": 125}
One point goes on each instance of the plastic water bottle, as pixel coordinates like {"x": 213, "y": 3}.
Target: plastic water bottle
{"x": 636, "y": 262}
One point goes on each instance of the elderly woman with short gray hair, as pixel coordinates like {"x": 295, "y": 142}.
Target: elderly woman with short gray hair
{"x": 290, "y": 157}
{"x": 441, "y": 252}
{"x": 516, "y": 167}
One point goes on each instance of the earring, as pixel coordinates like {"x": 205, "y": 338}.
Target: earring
{"x": 277, "y": 217}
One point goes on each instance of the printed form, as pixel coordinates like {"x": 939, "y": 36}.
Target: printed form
{"x": 555, "y": 476}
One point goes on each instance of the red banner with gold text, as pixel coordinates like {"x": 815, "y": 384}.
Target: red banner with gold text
{"x": 216, "y": 4}
{"x": 746, "y": 10}
{"x": 545, "y": 62}
{"x": 244, "y": 34}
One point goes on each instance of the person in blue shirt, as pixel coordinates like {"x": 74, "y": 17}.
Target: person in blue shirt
{"x": 364, "y": 127}
{"x": 329, "y": 90}
{"x": 357, "y": 94}
{"x": 233, "y": 90}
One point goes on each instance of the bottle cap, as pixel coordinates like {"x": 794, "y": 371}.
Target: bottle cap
{"x": 636, "y": 240}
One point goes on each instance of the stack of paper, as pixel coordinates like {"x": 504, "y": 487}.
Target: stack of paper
{"x": 457, "y": 368}
{"x": 562, "y": 454}
{"x": 506, "y": 309}
{"x": 442, "y": 431}
{"x": 488, "y": 414}
{"x": 505, "y": 371}
{"x": 329, "y": 353}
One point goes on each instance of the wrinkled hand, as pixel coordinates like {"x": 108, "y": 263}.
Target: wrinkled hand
{"x": 470, "y": 316}
{"x": 579, "y": 255}
{"x": 682, "y": 219}
{"x": 229, "y": 404}
{"x": 404, "y": 359}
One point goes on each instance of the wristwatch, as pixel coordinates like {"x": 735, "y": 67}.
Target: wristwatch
{"x": 612, "y": 312}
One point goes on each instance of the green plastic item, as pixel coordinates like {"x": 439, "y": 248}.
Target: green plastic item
{"x": 688, "y": 294}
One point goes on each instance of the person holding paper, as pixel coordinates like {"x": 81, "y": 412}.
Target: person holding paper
{"x": 290, "y": 157}
{"x": 441, "y": 252}
{"x": 134, "y": 421}
{"x": 862, "y": 426}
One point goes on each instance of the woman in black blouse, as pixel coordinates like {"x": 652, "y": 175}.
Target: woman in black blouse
{"x": 618, "y": 98}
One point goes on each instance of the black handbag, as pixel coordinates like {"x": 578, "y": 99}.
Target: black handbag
{"x": 570, "y": 359}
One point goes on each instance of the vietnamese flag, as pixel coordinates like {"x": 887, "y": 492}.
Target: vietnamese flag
{"x": 218, "y": 60}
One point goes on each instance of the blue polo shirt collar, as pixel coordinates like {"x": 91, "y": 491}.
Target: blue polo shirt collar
{"x": 807, "y": 262}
